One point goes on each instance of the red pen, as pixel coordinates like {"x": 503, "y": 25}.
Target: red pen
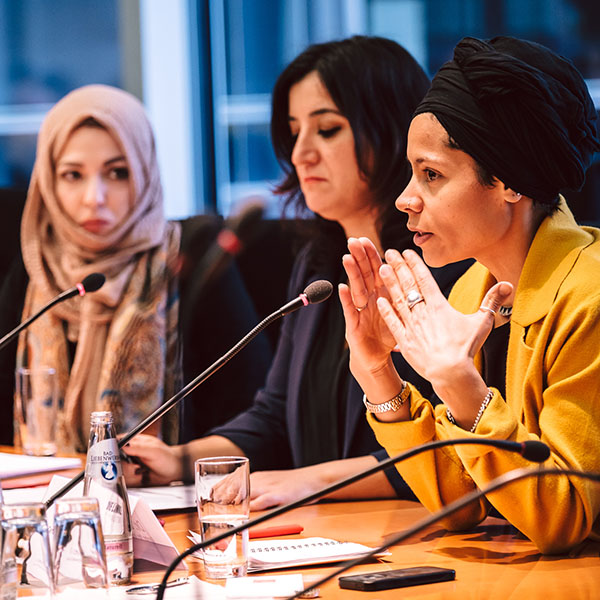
{"x": 275, "y": 531}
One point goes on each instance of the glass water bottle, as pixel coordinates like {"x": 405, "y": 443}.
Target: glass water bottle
{"x": 104, "y": 480}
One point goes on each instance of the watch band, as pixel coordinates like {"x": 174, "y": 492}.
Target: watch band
{"x": 394, "y": 404}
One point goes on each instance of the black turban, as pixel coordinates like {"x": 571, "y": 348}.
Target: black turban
{"x": 521, "y": 111}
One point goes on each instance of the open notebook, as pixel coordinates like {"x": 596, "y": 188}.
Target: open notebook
{"x": 279, "y": 554}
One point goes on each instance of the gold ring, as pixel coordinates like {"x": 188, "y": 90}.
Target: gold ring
{"x": 359, "y": 308}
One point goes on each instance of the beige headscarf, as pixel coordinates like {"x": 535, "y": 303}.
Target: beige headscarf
{"x": 126, "y": 357}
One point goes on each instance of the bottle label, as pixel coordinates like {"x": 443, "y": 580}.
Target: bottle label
{"x": 105, "y": 481}
{"x": 104, "y": 462}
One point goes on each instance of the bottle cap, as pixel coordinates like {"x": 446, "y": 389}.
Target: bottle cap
{"x": 101, "y": 416}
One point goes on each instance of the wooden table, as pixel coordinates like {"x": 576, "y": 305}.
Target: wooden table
{"x": 493, "y": 561}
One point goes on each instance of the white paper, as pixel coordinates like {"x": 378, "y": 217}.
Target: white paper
{"x": 150, "y": 540}
{"x": 18, "y": 495}
{"x": 175, "y": 497}
{"x": 275, "y": 586}
{"x": 194, "y": 590}
{"x": 167, "y": 497}
{"x": 19, "y": 465}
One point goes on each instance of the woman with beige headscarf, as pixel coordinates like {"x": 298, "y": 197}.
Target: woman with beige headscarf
{"x": 110, "y": 348}
{"x": 95, "y": 205}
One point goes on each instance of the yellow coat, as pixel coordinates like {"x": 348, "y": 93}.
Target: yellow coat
{"x": 552, "y": 394}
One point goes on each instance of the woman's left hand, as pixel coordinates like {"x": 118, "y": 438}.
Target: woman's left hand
{"x": 275, "y": 488}
{"x": 438, "y": 341}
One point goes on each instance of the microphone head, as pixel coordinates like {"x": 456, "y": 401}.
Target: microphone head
{"x": 318, "y": 291}
{"x": 535, "y": 451}
{"x": 93, "y": 282}
{"x": 244, "y": 223}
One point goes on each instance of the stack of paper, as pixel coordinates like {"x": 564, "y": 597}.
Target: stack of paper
{"x": 280, "y": 554}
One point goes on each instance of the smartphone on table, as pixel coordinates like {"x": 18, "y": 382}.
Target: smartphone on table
{"x": 387, "y": 580}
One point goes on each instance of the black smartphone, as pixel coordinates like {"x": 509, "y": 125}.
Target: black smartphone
{"x": 387, "y": 580}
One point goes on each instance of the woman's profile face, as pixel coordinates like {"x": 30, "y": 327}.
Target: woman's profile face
{"x": 92, "y": 182}
{"x": 454, "y": 216}
{"x": 324, "y": 154}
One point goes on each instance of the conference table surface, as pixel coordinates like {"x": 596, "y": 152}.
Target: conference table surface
{"x": 492, "y": 561}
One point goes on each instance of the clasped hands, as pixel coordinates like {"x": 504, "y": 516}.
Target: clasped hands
{"x": 403, "y": 309}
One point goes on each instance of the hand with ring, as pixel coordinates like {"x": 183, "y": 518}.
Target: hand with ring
{"x": 368, "y": 338}
{"x": 432, "y": 336}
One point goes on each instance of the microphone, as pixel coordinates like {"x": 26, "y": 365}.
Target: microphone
{"x": 446, "y": 511}
{"x": 316, "y": 292}
{"x": 230, "y": 241}
{"x": 532, "y": 450}
{"x": 91, "y": 283}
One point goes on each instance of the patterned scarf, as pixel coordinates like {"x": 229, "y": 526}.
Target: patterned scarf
{"x": 126, "y": 355}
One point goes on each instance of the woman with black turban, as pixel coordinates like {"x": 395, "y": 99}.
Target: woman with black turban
{"x": 506, "y": 126}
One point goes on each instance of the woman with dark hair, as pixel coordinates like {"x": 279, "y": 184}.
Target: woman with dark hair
{"x": 505, "y": 127}
{"x": 340, "y": 115}
{"x": 390, "y": 85}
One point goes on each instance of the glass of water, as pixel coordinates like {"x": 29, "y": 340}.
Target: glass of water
{"x": 36, "y": 409}
{"x": 24, "y": 525}
{"x": 79, "y": 542}
{"x": 223, "y": 501}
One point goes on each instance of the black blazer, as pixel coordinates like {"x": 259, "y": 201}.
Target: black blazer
{"x": 267, "y": 432}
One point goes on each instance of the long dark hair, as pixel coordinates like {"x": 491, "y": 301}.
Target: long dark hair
{"x": 377, "y": 85}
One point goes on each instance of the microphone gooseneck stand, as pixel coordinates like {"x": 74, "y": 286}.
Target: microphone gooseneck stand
{"x": 448, "y": 510}
{"x": 316, "y": 292}
{"x": 91, "y": 283}
{"x": 233, "y": 238}
{"x": 532, "y": 450}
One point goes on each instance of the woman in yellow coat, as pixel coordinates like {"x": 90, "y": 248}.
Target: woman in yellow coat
{"x": 515, "y": 352}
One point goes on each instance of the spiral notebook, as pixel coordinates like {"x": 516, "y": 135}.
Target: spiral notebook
{"x": 281, "y": 554}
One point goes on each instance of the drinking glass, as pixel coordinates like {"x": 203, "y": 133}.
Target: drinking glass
{"x": 223, "y": 501}
{"x": 36, "y": 409}
{"x": 20, "y": 523}
{"x": 79, "y": 542}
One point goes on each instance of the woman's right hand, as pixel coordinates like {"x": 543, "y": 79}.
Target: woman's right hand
{"x": 160, "y": 464}
{"x": 368, "y": 337}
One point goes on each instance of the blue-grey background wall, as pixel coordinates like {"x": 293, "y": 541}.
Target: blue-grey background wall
{"x": 205, "y": 68}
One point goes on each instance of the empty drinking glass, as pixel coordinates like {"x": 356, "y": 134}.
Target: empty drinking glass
{"x": 79, "y": 541}
{"x": 20, "y": 523}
